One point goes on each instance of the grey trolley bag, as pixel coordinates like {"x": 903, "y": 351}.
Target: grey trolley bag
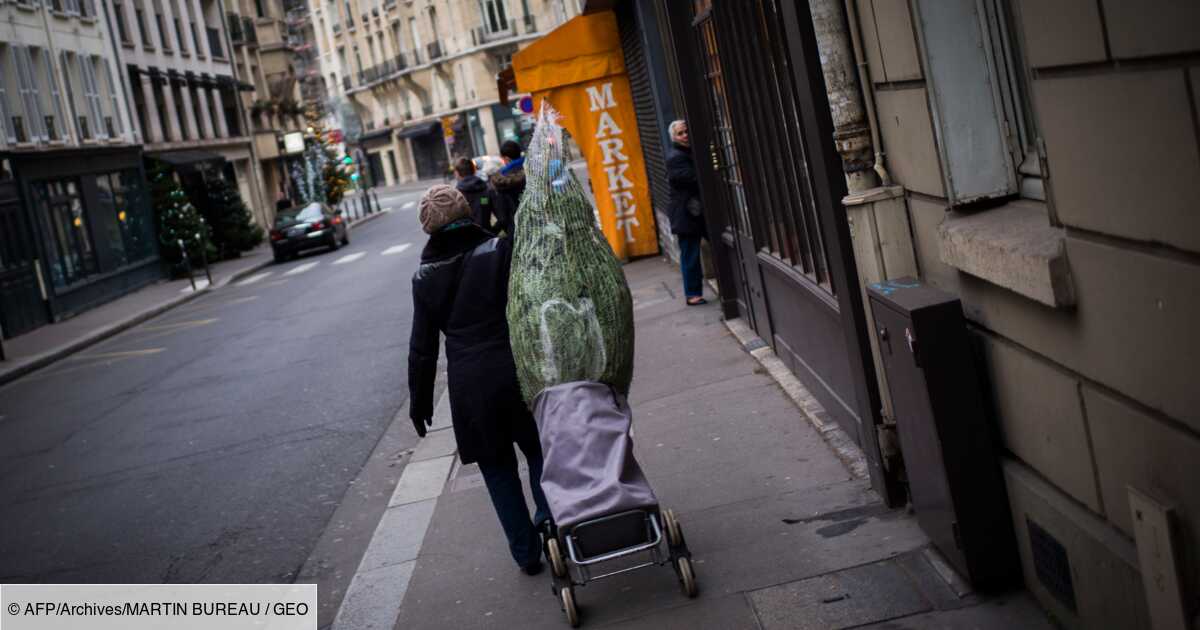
{"x": 607, "y": 520}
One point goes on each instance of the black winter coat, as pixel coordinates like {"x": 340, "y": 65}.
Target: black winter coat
{"x": 681, "y": 175}
{"x": 510, "y": 187}
{"x": 481, "y": 196}
{"x": 461, "y": 290}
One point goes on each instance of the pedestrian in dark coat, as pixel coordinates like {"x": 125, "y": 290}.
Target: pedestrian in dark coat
{"x": 480, "y": 196}
{"x": 509, "y": 183}
{"x": 460, "y": 290}
{"x": 685, "y": 212}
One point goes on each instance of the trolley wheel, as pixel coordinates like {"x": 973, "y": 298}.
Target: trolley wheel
{"x": 556, "y": 559}
{"x": 674, "y": 532}
{"x": 687, "y": 578}
{"x": 568, "y": 604}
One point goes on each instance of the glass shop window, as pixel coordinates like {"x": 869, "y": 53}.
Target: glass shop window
{"x": 72, "y": 254}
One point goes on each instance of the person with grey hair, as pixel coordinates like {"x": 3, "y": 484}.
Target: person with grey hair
{"x": 460, "y": 290}
{"x": 685, "y": 212}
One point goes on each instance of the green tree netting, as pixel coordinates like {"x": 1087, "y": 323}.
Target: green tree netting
{"x": 570, "y": 315}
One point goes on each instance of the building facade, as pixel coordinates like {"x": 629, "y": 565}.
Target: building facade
{"x": 180, "y": 80}
{"x": 76, "y": 228}
{"x": 274, "y": 57}
{"x": 418, "y": 77}
{"x": 1031, "y": 159}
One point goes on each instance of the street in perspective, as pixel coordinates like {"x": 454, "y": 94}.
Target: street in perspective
{"x": 732, "y": 314}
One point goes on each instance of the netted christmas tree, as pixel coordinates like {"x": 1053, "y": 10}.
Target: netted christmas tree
{"x": 178, "y": 220}
{"x": 233, "y": 229}
{"x": 570, "y": 314}
{"x": 320, "y": 177}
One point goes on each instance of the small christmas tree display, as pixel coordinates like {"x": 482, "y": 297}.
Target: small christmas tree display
{"x": 233, "y": 229}
{"x": 178, "y": 220}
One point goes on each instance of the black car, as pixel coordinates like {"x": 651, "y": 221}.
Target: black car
{"x": 307, "y": 227}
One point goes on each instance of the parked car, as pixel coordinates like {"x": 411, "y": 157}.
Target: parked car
{"x": 486, "y": 165}
{"x": 308, "y": 227}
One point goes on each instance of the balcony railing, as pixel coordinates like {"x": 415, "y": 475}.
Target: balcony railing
{"x": 214, "y": 42}
{"x": 484, "y": 34}
{"x": 345, "y": 83}
{"x": 530, "y": 24}
{"x": 435, "y": 50}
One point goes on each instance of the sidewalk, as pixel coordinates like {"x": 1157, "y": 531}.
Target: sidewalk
{"x": 47, "y": 344}
{"x": 783, "y": 535}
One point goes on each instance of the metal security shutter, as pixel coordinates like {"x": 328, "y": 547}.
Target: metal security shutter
{"x": 650, "y": 128}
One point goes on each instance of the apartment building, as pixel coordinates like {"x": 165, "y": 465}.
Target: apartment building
{"x": 420, "y": 76}
{"x": 274, "y": 56}
{"x": 179, "y": 74}
{"x": 76, "y": 227}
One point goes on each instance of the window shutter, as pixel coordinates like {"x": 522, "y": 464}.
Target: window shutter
{"x": 10, "y": 132}
{"x": 87, "y": 73}
{"x": 116, "y": 99}
{"x": 60, "y": 120}
{"x": 29, "y": 95}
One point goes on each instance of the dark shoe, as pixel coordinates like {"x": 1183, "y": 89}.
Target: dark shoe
{"x": 532, "y": 569}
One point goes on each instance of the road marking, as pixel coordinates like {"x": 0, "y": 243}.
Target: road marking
{"x": 396, "y": 249}
{"x": 349, "y": 258}
{"x": 377, "y": 589}
{"x": 408, "y": 205}
{"x": 118, "y": 355}
{"x": 187, "y": 324}
{"x": 255, "y": 278}
{"x": 295, "y": 271}
{"x": 200, "y": 285}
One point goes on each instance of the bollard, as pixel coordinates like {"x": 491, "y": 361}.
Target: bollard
{"x": 204, "y": 259}
{"x": 376, "y": 198}
{"x": 187, "y": 264}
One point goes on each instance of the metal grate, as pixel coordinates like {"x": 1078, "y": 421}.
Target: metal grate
{"x": 1051, "y": 564}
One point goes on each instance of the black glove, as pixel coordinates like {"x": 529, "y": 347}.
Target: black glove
{"x": 420, "y": 423}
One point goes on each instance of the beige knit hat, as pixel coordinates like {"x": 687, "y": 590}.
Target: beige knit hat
{"x": 442, "y": 205}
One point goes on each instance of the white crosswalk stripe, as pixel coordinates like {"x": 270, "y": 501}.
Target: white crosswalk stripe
{"x": 395, "y": 249}
{"x": 255, "y": 278}
{"x": 349, "y": 258}
{"x": 409, "y": 205}
{"x": 295, "y": 271}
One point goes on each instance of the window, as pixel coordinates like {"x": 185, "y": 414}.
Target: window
{"x": 985, "y": 137}
{"x": 35, "y": 123}
{"x": 416, "y": 39}
{"x": 82, "y": 129}
{"x": 56, "y": 122}
{"x": 122, "y": 29}
{"x": 143, "y": 32}
{"x": 495, "y": 18}
{"x": 126, "y": 217}
{"x": 72, "y": 256}
{"x": 162, "y": 32}
{"x": 91, "y": 95}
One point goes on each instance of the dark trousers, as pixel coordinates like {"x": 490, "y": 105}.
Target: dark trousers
{"x": 689, "y": 262}
{"x": 504, "y": 486}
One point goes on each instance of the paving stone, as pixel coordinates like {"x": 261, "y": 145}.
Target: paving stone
{"x": 865, "y": 594}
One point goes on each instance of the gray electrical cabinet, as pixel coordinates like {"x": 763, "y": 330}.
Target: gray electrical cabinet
{"x": 950, "y": 452}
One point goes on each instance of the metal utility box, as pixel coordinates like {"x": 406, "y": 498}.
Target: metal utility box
{"x": 950, "y": 453}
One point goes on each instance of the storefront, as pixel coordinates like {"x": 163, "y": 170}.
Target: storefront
{"x": 428, "y": 149}
{"x": 88, "y": 216}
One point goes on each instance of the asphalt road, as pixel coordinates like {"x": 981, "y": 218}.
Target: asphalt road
{"x": 213, "y": 443}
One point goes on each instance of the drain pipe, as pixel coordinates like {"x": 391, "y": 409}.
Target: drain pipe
{"x": 864, "y": 80}
{"x": 851, "y": 135}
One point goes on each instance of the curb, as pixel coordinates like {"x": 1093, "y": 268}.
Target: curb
{"x": 52, "y": 356}
{"x": 837, "y": 439}
{"x": 369, "y": 218}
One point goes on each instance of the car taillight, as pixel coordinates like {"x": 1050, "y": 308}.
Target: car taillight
{"x": 337, "y": 220}
{"x": 318, "y": 226}
{"x": 276, "y": 235}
